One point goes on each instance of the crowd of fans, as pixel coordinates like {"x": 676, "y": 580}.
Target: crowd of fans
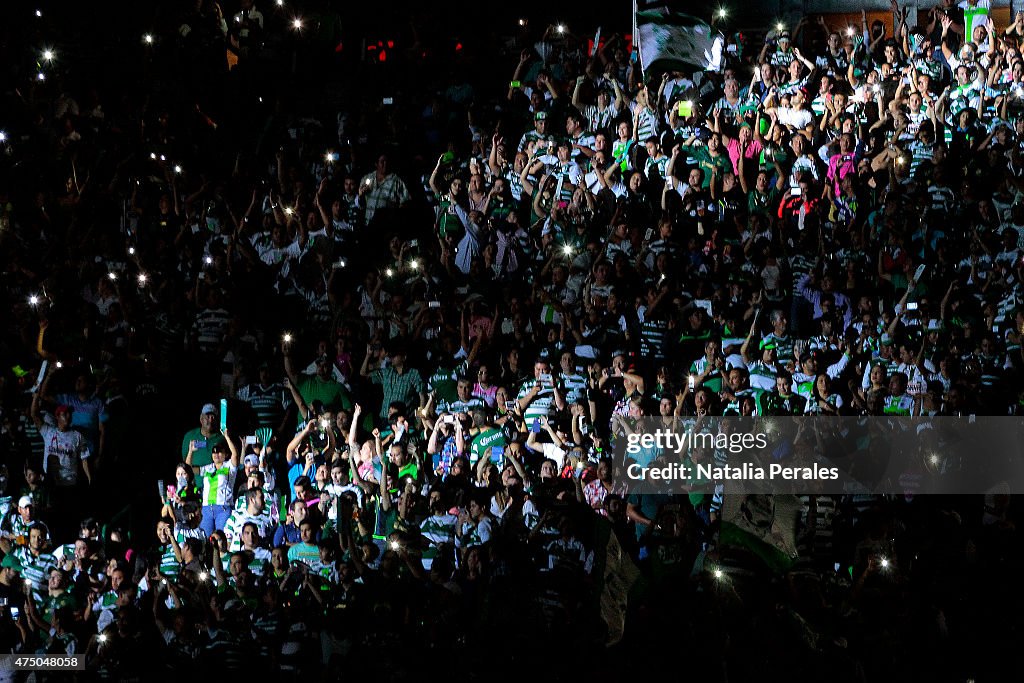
{"x": 281, "y": 393}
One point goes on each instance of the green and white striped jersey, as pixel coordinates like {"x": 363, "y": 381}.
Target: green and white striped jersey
{"x": 36, "y": 572}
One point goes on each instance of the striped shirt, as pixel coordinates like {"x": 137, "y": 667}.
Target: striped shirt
{"x": 209, "y": 327}
{"x": 264, "y": 522}
{"x": 404, "y": 386}
{"x": 388, "y": 193}
{"x": 268, "y": 402}
{"x": 169, "y": 565}
{"x": 36, "y": 571}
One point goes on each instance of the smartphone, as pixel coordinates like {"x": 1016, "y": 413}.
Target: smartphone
{"x": 535, "y": 427}
{"x": 497, "y": 453}
{"x": 448, "y": 419}
{"x": 546, "y": 378}
{"x": 161, "y": 486}
{"x": 650, "y": 231}
{"x": 200, "y": 443}
{"x": 223, "y": 414}
{"x": 510, "y": 406}
{"x": 795, "y": 192}
{"x": 912, "y": 306}
{"x": 685, "y": 108}
{"x": 414, "y": 244}
{"x": 337, "y": 265}
{"x": 388, "y": 101}
{"x": 919, "y": 272}
{"x": 433, "y": 304}
{"x": 515, "y": 84}
{"x": 250, "y": 441}
{"x": 15, "y": 613}
{"x": 172, "y": 489}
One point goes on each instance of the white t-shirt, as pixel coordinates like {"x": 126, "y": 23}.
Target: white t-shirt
{"x": 69, "y": 448}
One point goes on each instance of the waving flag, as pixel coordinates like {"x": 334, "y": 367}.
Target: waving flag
{"x": 673, "y": 41}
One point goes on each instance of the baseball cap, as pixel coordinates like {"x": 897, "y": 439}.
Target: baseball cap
{"x": 251, "y": 459}
{"x": 25, "y": 501}
{"x": 63, "y": 408}
{"x": 887, "y": 339}
{"x": 11, "y": 562}
{"x": 541, "y": 116}
{"x": 209, "y": 409}
{"x": 784, "y": 35}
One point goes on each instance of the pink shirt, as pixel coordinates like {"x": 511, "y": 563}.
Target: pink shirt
{"x": 753, "y": 153}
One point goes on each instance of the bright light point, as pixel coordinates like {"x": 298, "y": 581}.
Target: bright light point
{"x": 39, "y": 13}
{"x": 131, "y": 251}
{"x": 561, "y": 28}
{"x": 289, "y": 211}
{"x": 934, "y": 460}
{"x": 3, "y": 136}
{"x": 208, "y": 260}
{"x": 395, "y": 545}
{"x": 718, "y": 574}
{"x": 148, "y": 39}
{"x": 849, "y": 30}
{"x": 522, "y": 22}
{"x": 33, "y": 300}
{"x": 414, "y": 264}
{"x": 59, "y": 365}
{"x": 297, "y": 24}
{"x": 389, "y": 272}
{"x": 102, "y": 637}
{"x": 152, "y": 155}
{"x": 203, "y": 576}
{"x": 112, "y": 276}
{"x": 40, "y": 76}
{"x": 884, "y": 563}
{"x": 177, "y": 169}
{"x": 721, "y": 13}
{"x": 779, "y": 26}
{"x": 280, "y": 3}
{"x": 142, "y": 278}
{"x": 48, "y": 55}
{"x": 163, "y": 158}
{"x": 567, "y": 250}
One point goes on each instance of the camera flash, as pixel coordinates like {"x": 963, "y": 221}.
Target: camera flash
{"x": 288, "y": 211}
{"x": 567, "y": 250}
{"x": 177, "y": 169}
{"x": 148, "y": 39}
{"x": 3, "y": 136}
{"x": 395, "y": 545}
{"x": 41, "y": 76}
{"x": 561, "y": 28}
{"x": 779, "y": 26}
{"x": 203, "y": 576}
{"x": 112, "y": 276}
{"x": 718, "y": 574}
{"x": 131, "y": 251}
{"x": 102, "y": 637}
{"x": 287, "y": 338}
{"x": 48, "y": 55}
{"x": 414, "y": 264}
{"x": 59, "y": 365}
{"x": 142, "y": 278}
{"x": 849, "y": 30}
{"x": 389, "y": 273}
{"x": 33, "y": 300}
{"x": 885, "y": 563}
{"x": 297, "y": 24}
{"x": 152, "y": 155}
{"x": 208, "y": 260}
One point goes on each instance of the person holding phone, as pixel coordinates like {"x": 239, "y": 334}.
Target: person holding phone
{"x": 203, "y": 438}
{"x": 218, "y": 480}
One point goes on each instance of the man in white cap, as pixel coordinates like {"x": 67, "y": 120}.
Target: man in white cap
{"x": 17, "y": 523}
{"x": 204, "y": 437}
